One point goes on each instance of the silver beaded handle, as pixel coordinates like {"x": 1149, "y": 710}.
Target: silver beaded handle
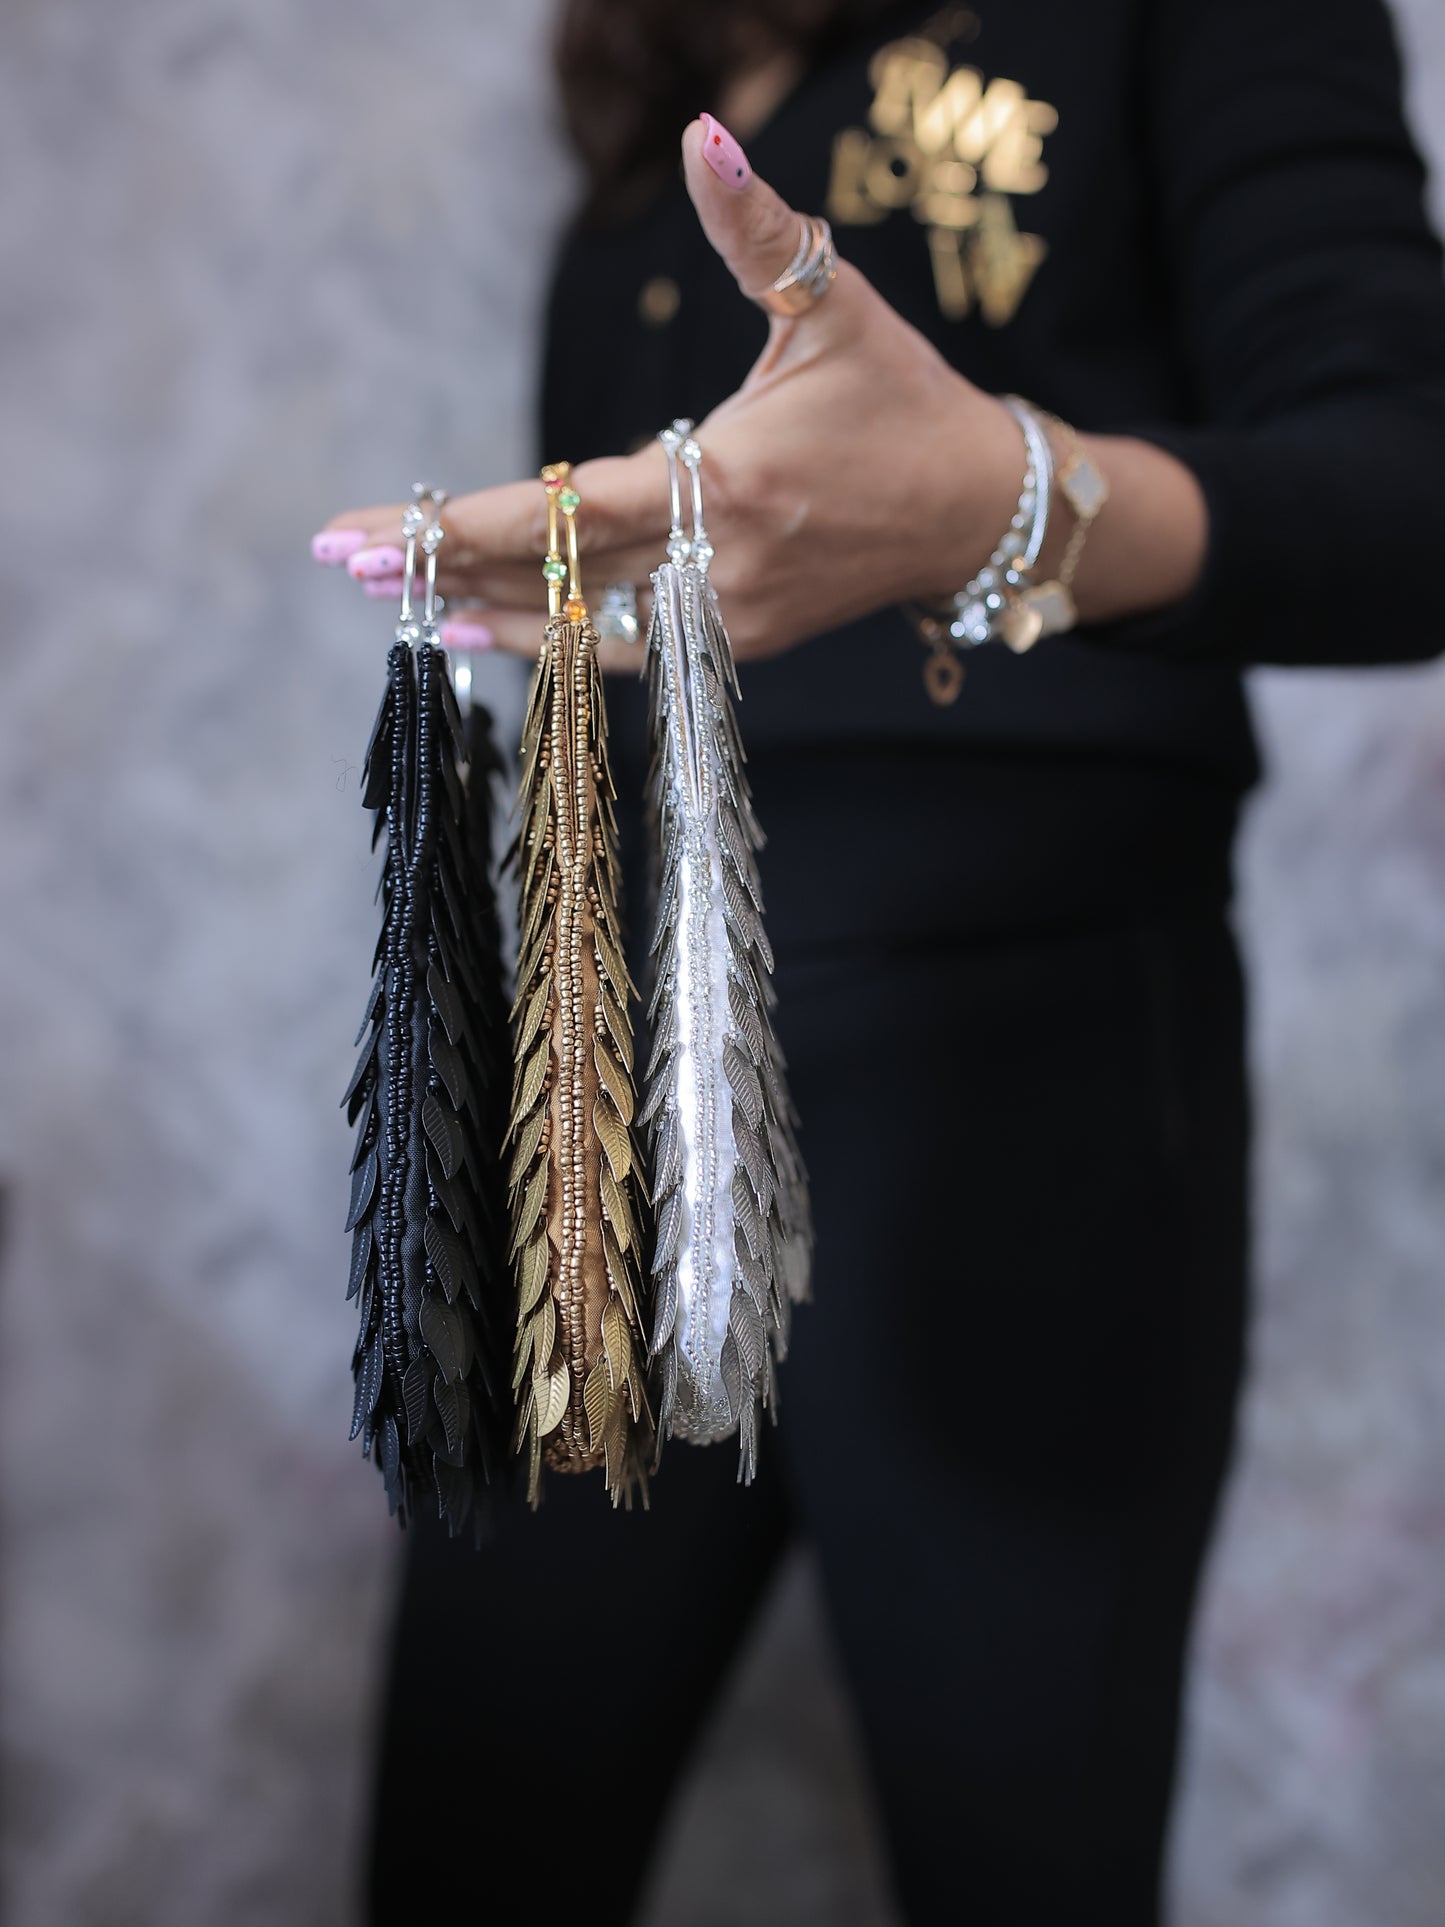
{"x": 421, "y": 527}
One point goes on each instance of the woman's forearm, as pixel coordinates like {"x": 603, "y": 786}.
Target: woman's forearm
{"x": 1146, "y": 549}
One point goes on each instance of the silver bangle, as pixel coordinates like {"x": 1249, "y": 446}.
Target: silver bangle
{"x": 980, "y": 609}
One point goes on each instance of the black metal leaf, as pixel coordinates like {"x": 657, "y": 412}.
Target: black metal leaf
{"x": 443, "y": 1338}
{"x": 363, "y": 1189}
{"x": 414, "y": 1383}
{"x": 363, "y": 1128}
{"x": 445, "y": 1254}
{"x": 368, "y": 1384}
{"x": 360, "y": 1258}
{"x": 446, "y": 1001}
{"x": 440, "y": 1127}
{"x": 363, "y": 1065}
{"x": 447, "y": 1063}
{"x": 454, "y": 1406}
{"x": 371, "y": 1003}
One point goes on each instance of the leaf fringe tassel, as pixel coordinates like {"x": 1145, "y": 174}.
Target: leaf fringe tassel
{"x": 578, "y": 1197}
{"x": 428, "y": 1203}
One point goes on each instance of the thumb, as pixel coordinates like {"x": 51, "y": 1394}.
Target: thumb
{"x": 752, "y": 227}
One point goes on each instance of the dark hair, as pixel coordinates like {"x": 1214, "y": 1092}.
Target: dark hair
{"x": 634, "y": 72}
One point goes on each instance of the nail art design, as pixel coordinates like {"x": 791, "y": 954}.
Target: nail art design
{"x": 374, "y": 562}
{"x": 722, "y": 153}
{"x": 337, "y": 545}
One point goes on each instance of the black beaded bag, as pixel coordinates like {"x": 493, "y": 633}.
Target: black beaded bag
{"x": 430, "y": 1092}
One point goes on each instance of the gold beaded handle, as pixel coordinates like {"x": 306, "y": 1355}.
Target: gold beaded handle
{"x": 563, "y": 502}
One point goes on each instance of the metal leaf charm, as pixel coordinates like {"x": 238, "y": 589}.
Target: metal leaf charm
{"x": 532, "y": 1020}
{"x": 615, "y": 1141}
{"x": 668, "y": 1146}
{"x": 527, "y": 1146}
{"x": 664, "y": 1315}
{"x": 530, "y": 1079}
{"x": 615, "y": 1080}
{"x": 447, "y": 1063}
{"x": 363, "y": 1189}
{"x": 453, "y": 1404}
{"x": 414, "y": 1386}
{"x": 669, "y": 1231}
{"x": 443, "y": 1339}
{"x": 443, "y": 1251}
{"x": 531, "y": 1275}
{"x": 533, "y": 1199}
{"x": 746, "y": 1086}
{"x": 446, "y": 1002}
{"x": 552, "y": 1395}
{"x": 360, "y": 1259}
{"x": 596, "y": 1402}
{"x": 438, "y": 1125}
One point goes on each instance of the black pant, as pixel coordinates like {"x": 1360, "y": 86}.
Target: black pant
{"x": 1004, "y": 1424}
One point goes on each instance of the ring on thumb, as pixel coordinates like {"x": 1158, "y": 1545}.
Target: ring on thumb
{"x": 752, "y": 227}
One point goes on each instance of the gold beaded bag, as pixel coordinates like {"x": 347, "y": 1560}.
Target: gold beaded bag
{"x": 578, "y": 1197}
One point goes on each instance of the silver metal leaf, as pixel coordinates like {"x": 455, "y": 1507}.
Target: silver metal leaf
{"x": 664, "y": 1314}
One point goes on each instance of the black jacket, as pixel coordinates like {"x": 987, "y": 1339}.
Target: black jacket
{"x": 1198, "y": 223}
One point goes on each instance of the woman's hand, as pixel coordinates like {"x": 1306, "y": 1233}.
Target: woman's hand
{"x": 854, "y": 468}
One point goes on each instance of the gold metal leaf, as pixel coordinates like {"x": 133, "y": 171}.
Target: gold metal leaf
{"x": 610, "y": 959}
{"x": 533, "y": 1203}
{"x": 617, "y": 1343}
{"x": 544, "y": 1334}
{"x": 615, "y": 1139}
{"x": 616, "y": 1081}
{"x": 532, "y": 1022}
{"x": 618, "y": 1028}
{"x": 619, "y": 1212}
{"x": 532, "y": 1273}
{"x": 523, "y": 1357}
{"x": 529, "y": 1085}
{"x": 596, "y": 1401}
{"x": 537, "y": 904}
{"x": 527, "y": 1144}
{"x": 621, "y": 1274}
{"x": 552, "y": 1394}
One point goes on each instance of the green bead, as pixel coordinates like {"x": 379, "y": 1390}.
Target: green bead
{"x": 554, "y": 570}
{"x": 568, "y": 500}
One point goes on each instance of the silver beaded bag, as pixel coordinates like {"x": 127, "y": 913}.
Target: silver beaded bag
{"x": 734, "y": 1234}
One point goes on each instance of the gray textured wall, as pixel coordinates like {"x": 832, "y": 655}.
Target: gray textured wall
{"x": 268, "y": 259}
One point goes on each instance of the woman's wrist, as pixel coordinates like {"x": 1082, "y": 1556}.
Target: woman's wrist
{"x": 979, "y": 458}
{"x": 1147, "y": 549}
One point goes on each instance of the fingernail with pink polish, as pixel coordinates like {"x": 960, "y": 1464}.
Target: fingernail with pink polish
{"x": 384, "y": 561}
{"x": 384, "y": 585}
{"x": 335, "y": 545}
{"x": 463, "y": 634}
{"x": 722, "y": 153}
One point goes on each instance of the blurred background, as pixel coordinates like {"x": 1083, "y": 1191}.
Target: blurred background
{"x": 261, "y": 263}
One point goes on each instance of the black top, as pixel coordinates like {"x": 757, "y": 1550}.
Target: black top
{"x": 1198, "y": 223}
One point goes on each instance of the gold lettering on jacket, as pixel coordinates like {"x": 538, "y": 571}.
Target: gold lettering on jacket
{"x": 955, "y": 149}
